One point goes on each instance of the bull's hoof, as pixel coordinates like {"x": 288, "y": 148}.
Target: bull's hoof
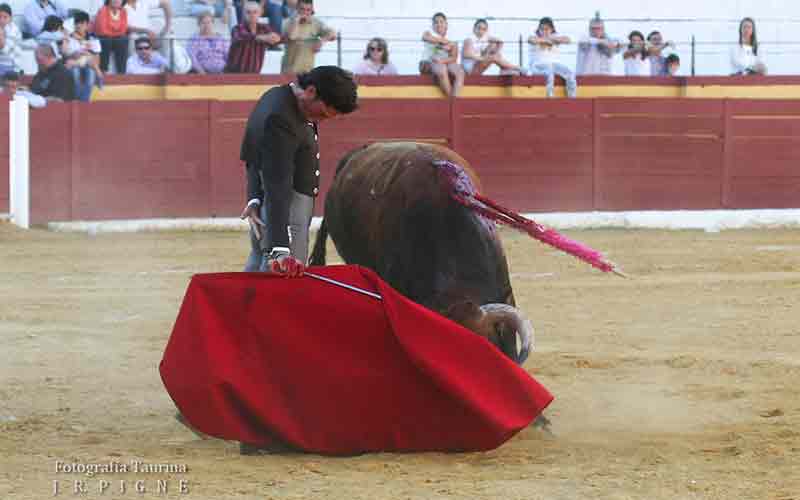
{"x": 543, "y": 423}
{"x": 182, "y": 420}
{"x": 272, "y": 449}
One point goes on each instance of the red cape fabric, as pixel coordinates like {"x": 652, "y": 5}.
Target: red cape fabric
{"x": 254, "y": 357}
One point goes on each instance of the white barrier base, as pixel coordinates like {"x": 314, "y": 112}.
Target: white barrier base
{"x": 707, "y": 220}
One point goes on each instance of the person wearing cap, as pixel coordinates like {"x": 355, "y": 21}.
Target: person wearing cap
{"x": 596, "y": 51}
{"x": 53, "y": 81}
{"x": 281, "y": 153}
{"x": 11, "y": 88}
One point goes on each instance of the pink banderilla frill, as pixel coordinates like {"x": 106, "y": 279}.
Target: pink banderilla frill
{"x": 464, "y": 192}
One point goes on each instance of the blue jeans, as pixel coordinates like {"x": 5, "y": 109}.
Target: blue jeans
{"x": 552, "y": 69}
{"x": 275, "y": 15}
{"x": 85, "y": 78}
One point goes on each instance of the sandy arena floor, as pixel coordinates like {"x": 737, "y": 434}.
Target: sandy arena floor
{"x": 682, "y": 383}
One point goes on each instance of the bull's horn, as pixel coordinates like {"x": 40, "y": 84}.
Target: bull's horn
{"x": 504, "y": 312}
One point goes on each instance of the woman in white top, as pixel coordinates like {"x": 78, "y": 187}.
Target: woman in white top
{"x": 745, "y": 59}
{"x": 440, "y": 57}
{"x": 482, "y": 50}
{"x": 637, "y": 59}
{"x": 542, "y": 57}
{"x": 376, "y": 60}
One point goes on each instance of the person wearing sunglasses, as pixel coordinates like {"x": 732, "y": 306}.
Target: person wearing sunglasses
{"x": 280, "y": 150}
{"x": 146, "y": 61}
{"x": 376, "y": 60}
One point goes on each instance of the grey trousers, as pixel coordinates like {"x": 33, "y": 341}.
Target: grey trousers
{"x": 300, "y": 212}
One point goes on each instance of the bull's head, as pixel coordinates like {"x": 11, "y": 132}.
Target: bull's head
{"x": 501, "y": 324}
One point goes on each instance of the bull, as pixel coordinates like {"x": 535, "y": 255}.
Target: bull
{"x": 390, "y": 208}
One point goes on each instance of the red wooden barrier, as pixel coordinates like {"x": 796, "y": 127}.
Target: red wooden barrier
{"x": 128, "y": 160}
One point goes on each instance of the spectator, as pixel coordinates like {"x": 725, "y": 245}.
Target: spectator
{"x": 219, "y": 8}
{"x": 81, "y": 52}
{"x": 655, "y": 50}
{"x": 745, "y": 59}
{"x": 249, "y": 40}
{"x": 139, "y": 21}
{"x": 304, "y": 35}
{"x": 273, "y": 9}
{"x": 376, "y": 59}
{"x": 11, "y": 88}
{"x": 673, "y": 63}
{"x": 53, "y": 81}
{"x": 596, "y": 51}
{"x": 208, "y": 50}
{"x": 111, "y": 26}
{"x": 52, "y": 31}
{"x": 7, "y": 63}
{"x": 13, "y": 34}
{"x": 146, "y": 61}
{"x": 542, "y": 57}
{"x": 482, "y": 50}
{"x": 37, "y": 11}
{"x": 637, "y": 60}
{"x": 440, "y": 57}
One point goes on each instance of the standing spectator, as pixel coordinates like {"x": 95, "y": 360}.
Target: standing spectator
{"x": 146, "y": 61}
{"x": 304, "y": 35}
{"x": 655, "y": 50}
{"x": 673, "y": 63}
{"x": 481, "y": 50}
{"x": 7, "y": 63}
{"x": 37, "y": 11}
{"x": 220, "y": 8}
{"x": 81, "y": 52}
{"x": 745, "y": 59}
{"x": 207, "y": 50}
{"x": 440, "y": 57}
{"x": 249, "y": 40}
{"x": 139, "y": 21}
{"x": 376, "y": 59}
{"x": 596, "y": 51}
{"x": 111, "y": 26}
{"x": 13, "y": 34}
{"x": 637, "y": 61}
{"x": 280, "y": 149}
{"x": 542, "y": 57}
{"x": 11, "y": 88}
{"x": 53, "y": 81}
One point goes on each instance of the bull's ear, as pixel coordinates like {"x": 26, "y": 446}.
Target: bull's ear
{"x": 468, "y": 314}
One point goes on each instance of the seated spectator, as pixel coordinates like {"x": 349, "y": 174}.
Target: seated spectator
{"x": 655, "y": 50}
{"x": 637, "y": 60}
{"x": 542, "y": 57}
{"x": 13, "y": 34}
{"x": 219, "y": 8}
{"x": 482, "y": 50}
{"x": 376, "y": 59}
{"x": 304, "y": 35}
{"x": 597, "y": 50}
{"x": 37, "y": 11}
{"x": 7, "y": 63}
{"x": 82, "y": 57}
{"x": 141, "y": 24}
{"x": 146, "y": 61}
{"x": 249, "y": 40}
{"x": 274, "y": 11}
{"x": 11, "y": 88}
{"x": 207, "y": 50}
{"x": 111, "y": 26}
{"x": 440, "y": 57}
{"x": 53, "y": 81}
{"x": 673, "y": 63}
{"x": 745, "y": 59}
{"x": 52, "y": 31}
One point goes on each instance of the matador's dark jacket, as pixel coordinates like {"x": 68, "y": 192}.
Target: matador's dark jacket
{"x": 281, "y": 151}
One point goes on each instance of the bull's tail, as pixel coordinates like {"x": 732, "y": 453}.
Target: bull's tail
{"x": 318, "y": 254}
